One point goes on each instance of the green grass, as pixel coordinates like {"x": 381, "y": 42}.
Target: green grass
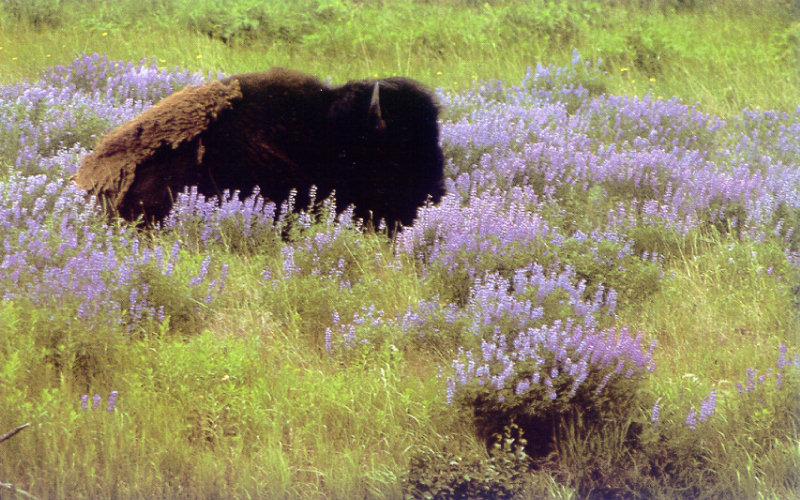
{"x": 723, "y": 297}
{"x": 245, "y": 405}
{"x": 725, "y": 54}
{"x": 719, "y": 313}
{"x": 245, "y": 402}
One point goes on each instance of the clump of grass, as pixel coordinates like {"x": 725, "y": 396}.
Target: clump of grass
{"x": 39, "y": 14}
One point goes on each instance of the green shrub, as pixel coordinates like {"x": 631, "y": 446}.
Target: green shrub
{"x": 44, "y": 346}
{"x": 229, "y": 24}
{"x": 569, "y": 84}
{"x": 648, "y": 50}
{"x": 330, "y": 10}
{"x": 38, "y": 13}
{"x": 541, "y": 418}
{"x": 556, "y": 23}
{"x": 602, "y": 460}
{"x": 444, "y": 475}
{"x": 605, "y": 263}
{"x": 737, "y": 452}
{"x": 787, "y": 44}
{"x": 211, "y": 381}
{"x": 671, "y": 5}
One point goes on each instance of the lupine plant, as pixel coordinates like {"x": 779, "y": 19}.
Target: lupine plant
{"x": 97, "y": 401}
{"x": 59, "y": 251}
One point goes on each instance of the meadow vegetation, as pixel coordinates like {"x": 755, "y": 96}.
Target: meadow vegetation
{"x": 726, "y": 54}
{"x": 606, "y": 303}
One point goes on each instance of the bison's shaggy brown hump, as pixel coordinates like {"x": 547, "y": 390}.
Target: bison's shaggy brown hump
{"x": 111, "y": 169}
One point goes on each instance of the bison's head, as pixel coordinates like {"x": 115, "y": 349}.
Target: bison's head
{"x": 386, "y": 138}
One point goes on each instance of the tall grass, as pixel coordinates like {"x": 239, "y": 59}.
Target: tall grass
{"x": 725, "y": 54}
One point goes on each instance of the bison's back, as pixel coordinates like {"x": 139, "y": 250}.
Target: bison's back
{"x": 135, "y": 167}
{"x": 278, "y": 139}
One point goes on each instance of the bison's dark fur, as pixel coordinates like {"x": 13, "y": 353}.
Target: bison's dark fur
{"x": 374, "y": 142}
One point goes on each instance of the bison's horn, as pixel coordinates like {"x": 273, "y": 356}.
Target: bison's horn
{"x": 375, "y": 107}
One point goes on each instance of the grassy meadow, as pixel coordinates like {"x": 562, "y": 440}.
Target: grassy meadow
{"x": 726, "y": 54}
{"x": 615, "y": 270}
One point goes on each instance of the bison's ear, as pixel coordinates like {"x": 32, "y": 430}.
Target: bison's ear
{"x": 375, "y": 115}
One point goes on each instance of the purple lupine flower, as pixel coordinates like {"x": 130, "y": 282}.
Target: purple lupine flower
{"x": 451, "y": 391}
{"x": 328, "y": 340}
{"x": 709, "y": 406}
{"x": 201, "y": 275}
{"x": 691, "y": 419}
{"x": 85, "y": 402}
{"x": 576, "y": 57}
{"x": 655, "y": 415}
{"x": 210, "y": 295}
{"x": 751, "y": 380}
{"x": 112, "y": 401}
{"x": 783, "y": 362}
{"x": 782, "y": 357}
{"x": 173, "y": 259}
{"x": 523, "y": 386}
{"x": 96, "y": 401}
{"x": 289, "y": 266}
{"x": 350, "y": 336}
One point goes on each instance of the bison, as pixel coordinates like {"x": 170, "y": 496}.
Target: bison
{"x": 374, "y": 143}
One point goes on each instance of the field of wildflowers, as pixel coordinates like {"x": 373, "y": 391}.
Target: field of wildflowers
{"x": 617, "y": 277}
{"x": 725, "y": 54}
